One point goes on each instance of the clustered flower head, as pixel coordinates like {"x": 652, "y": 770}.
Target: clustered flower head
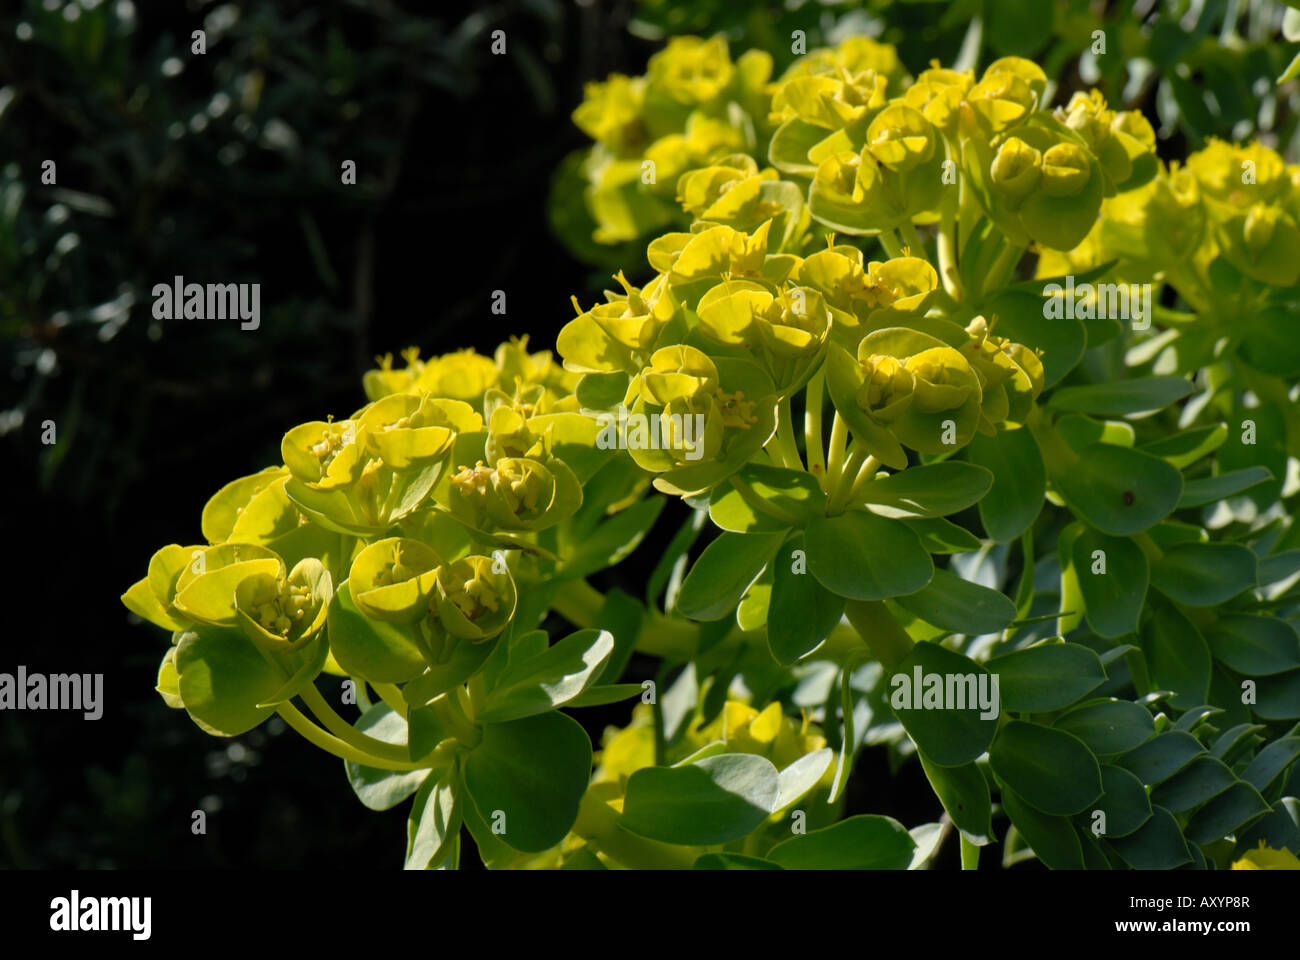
{"x": 419, "y": 544}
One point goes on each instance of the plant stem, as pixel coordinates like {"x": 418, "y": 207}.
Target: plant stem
{"x": 391, "y": 696}
{"x": 449, "y": 710}
{"x": 949, "y": 274}
{"x": 887, "y": 640}
{"x": 916, "y": 246}
{"x": 349, "y": 734}
{"x": 835, "y": 459}
{"x": 970, "y": 854}
{"x": 844, "y": 483}
{"x": 785, "y": 436}
{"x": 1002, "y": 267}
{"x": 812, "y": 426}
{"x": 331, "y": 744}
{"x": 889, "y": 240}
{"x": 868, "y": 470}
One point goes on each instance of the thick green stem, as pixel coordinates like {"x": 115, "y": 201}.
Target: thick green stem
{"x": 915, "y": 245}
{"x": 844, "y": 482}
{"x": 970, "y": 854}
{"x": 345, "y": 731}
{"x": 889, "y": 240}
{"x": 785, "y": 436}
{"x": 331, "y": 744}
{"x": 812, "y": 426}
{"x": 835, "y": 457}
{"x": 865, "y": 473}
{"x": 392, "y": 696}
{"x": 1002, "y": 267}
{"x": 948, "y": 271}
{"x": 887, "y": 640}
{"x": 449, "y": 709}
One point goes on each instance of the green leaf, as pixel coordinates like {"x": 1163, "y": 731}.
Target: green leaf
{"x": 802, "y": 612}
{"x": 222, "y": 679}
{"x": 947, "y": 737}
{"x": 601, "y": 694}
{"x": 1291, "y": 72}
{"x": 864, "y": 842}
{"x": 1050, "y": 770}
{"x": 1108, "y": 726}
{"x": 1204, "y": 574}
{"x": 613, "y": 540}
{"x": 1048, "y": 676}
{"x": 434, "y": 821}
{"x": 723, "y": 572}
{"x": 1079, "y": 431}
{"x": 1177, "y": 656}
{"x": 1226, "y": 814}
{"x": 1271, "y": 763}
{"x": 1278, "y": 696}
{"x": 1113, "y": 583}
{"x": 928, "y": 490}
{"x": 674, "y": 557}
{"x": 752, "y": 612}
{"x": 378, "y": 651}
{"x": 1203, "y": 778}
{"x": 1161, "y": 757}
{"x": 1052, "y": 838}
{"x": 964, "y": 793}
{"x": 1229, "y": 744}
{"x": 1190, "y": 720}
{"x": 1222, "y": 485}
{"x": 553, "y": 677}
{"x": 1118, "y": 398}
{"x": 534, "y": 771}
{"x": 942, "y": 536}
{"x": 959, "y": 606}
{"x": 1185, "y": 448}
{"x": 729, "y": 510}
{"x": 862, "y": 556}
{"x": 1119, "y": 490}
{"x": 1020, "y": 319}
{"x": 1254, "y": 646}
{"x": 601, "y": 391}
{"x": 464, "y": 661}
{"x": 1157, "y": 845}
{"x": 1124, "y": 801}
{"x": 715, "y": 800}
{"x": 383, "y": 789}
{"x": 1019, "y": 481}
{"x": 748, "y": 506}
{"x": 802, "y": 775}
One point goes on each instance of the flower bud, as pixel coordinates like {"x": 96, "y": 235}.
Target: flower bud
{"x": 1066, "y": 170}
{"x": 1017, "y": 169}
{"x": 900, "y": 138}
{"x": 1261, "y": 222}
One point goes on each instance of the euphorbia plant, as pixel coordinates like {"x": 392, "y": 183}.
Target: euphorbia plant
{"x": 1045, "y": 549}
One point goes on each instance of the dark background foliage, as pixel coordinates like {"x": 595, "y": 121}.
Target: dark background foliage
{"x": 225, "y": 167}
